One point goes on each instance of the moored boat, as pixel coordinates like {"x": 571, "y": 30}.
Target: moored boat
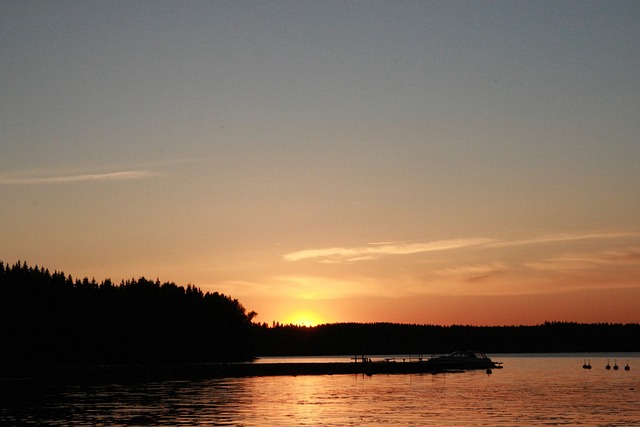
{"x": 465, "y": 360}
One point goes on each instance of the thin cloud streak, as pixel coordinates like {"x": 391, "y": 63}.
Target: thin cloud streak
{"x": 370, "y": 252}
{"x": 374, "y": 250}
{"x": 574, "y": 261}
{"x": 94, "y": 177}
{"x": 560, "y": 238}
{"x": 473, "y": 273}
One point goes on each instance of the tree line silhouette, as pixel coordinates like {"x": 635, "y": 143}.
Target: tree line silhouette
{"x": 49, "y": 318}
{"x": 393, "y": 338}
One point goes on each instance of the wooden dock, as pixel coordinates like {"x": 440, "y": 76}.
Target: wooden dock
{"x": 150, "y": 372}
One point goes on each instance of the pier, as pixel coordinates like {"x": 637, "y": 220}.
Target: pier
{"x": 151, "y": 372}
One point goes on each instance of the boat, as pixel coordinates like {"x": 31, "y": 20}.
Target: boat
{"x": 465, "y": 360}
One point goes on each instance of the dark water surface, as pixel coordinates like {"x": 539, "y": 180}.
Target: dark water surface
{"x": 530, "y": 390}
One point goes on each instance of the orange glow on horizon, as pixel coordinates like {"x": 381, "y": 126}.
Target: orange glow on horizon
{"x": 303, "y": 318}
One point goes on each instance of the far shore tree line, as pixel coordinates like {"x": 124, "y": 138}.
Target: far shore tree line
{"x": 51, "y": 319}
{"x": 426, "y": 340}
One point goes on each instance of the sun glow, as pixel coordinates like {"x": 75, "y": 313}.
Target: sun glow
{"x": 303, "y": 318}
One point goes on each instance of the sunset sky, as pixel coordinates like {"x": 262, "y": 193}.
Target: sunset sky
{"x": 454, "y": 162}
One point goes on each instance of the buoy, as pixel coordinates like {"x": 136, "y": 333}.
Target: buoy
{"x": 584, "y": 365}
{"x": 608, "y": 366}
{"x": 489, "y": 371}
{"x": 589, "y": 364}
{"x": 627, "y": 367}
{"x": 615, "y": 365}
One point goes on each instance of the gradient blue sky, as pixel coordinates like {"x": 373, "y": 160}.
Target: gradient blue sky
{"x": 429, "y": 162}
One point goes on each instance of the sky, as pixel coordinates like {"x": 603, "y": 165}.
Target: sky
{"x": 430, "y": 162}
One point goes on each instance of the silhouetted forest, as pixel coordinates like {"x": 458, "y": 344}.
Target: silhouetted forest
{"x": 390, "y": 338}
{"x": 49, "y": 318}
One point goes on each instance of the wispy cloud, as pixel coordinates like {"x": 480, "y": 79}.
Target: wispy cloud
{"x": 563, "y": 238}
{"x": 473, "y": 273}
{"x": 573, "y": 261}
{"x": 67, "y": 179}
{"x": 372, "y": 251}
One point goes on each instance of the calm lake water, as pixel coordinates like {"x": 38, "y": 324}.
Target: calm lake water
{"x": 530, "y": 390}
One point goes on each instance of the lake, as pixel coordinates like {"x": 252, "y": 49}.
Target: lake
{"x": 550, "y": 389}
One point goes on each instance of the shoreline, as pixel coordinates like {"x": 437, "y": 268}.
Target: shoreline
{"x": 218, "y": 370}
